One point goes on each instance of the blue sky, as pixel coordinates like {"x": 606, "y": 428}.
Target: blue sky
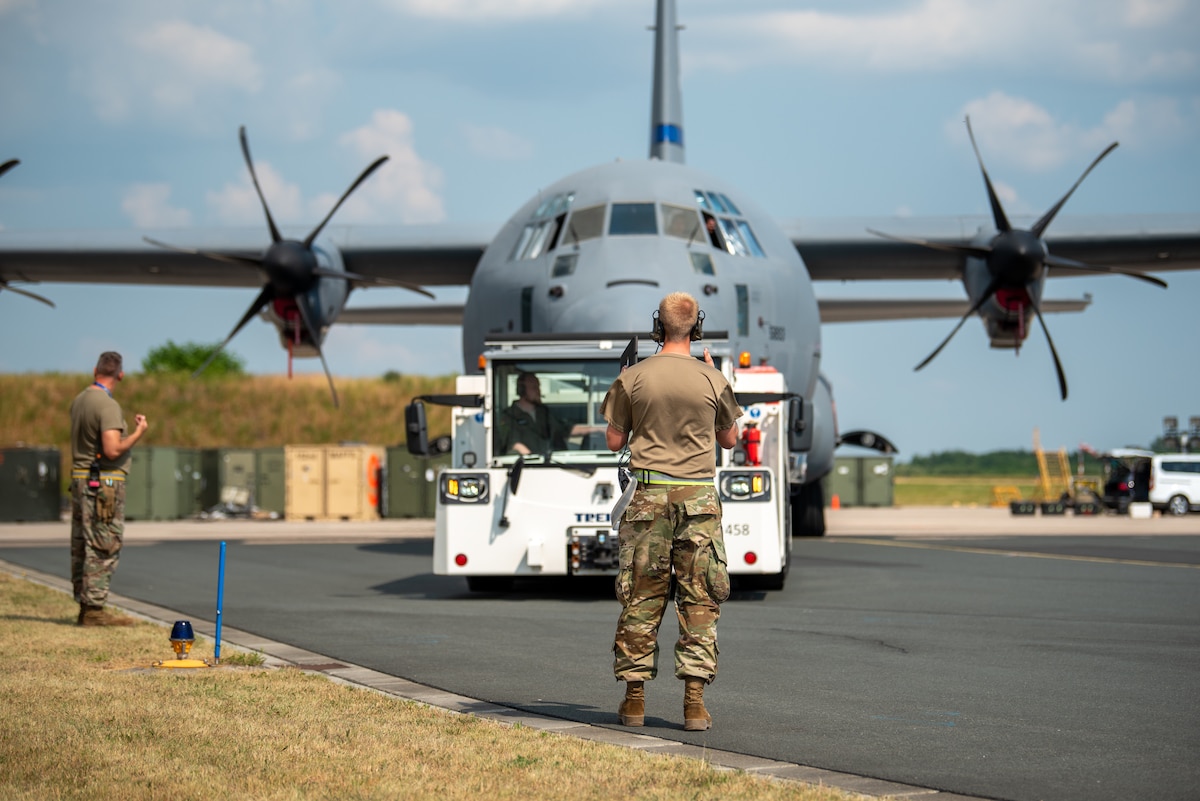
{"x": 125, "y": 115}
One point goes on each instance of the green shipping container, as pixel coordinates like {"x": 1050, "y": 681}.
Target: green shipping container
{"x": 861, "y": 481}
{"x": 270, "y": 480}
{"x": 164, "y": 484}
{"x": 411, "y": 483}
{"x": 229, "y": 477}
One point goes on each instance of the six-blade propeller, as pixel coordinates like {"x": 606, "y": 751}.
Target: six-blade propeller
{"x": 291, "y": 268}
{"x": 1017, "y": 259}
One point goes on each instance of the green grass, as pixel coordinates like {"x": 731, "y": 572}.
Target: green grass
{"x": 958, "y": 491}
{"x": 86, "y": 716}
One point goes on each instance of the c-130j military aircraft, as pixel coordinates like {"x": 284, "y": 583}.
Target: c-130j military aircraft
{"x": 596, "y": 251}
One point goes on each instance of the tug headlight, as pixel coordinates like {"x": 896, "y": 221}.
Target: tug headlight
{"x": 749, "y": 485}
{"x": 463, "y": 488}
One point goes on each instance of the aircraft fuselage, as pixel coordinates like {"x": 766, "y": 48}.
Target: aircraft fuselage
{"x": 599, "y": 249}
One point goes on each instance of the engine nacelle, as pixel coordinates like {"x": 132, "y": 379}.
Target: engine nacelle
{"x": 323, "y": 302}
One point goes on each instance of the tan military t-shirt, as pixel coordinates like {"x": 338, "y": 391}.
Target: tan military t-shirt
{"x": 92, "y": 412}
{"x": 672, "y": 406}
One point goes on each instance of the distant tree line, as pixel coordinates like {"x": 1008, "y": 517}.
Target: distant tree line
{"x": 188, "y": 357}
{"x": 996, "y": 463}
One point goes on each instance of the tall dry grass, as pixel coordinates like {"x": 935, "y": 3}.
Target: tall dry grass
{"x": 225, "y": 411}
{"x": 85, "y": 716}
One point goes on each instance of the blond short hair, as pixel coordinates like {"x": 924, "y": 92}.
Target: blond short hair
{"x": 678, "y": 313}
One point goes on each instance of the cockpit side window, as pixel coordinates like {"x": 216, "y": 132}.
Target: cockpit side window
{"x": 727, "y": 230}
{"x": 632, "y": 218}
{"x": 584, "y": 224}
{"x": 682, "y": 222}
{"x": 702, "y": 263}
{"x": 541, "y": 234}
{"x": 750, "y": 239}
{"x": 733, "y": 238}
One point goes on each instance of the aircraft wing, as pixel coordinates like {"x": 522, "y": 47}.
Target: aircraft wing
{"x": 423, "y": 314}
{"x": 833, "y": 310}
{"x": 846, "y": 251}
{"x": 860, "y": 310}
{"x": 429, "y": 255}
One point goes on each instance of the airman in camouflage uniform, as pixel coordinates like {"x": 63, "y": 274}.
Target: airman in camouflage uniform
{"x": 672, "y": 411}
{"x": 100, "y": 453}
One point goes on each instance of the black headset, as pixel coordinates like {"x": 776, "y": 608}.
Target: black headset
{"x": 658, "y": 333}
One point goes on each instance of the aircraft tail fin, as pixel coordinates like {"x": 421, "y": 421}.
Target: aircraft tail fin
{"x": 666, "y": 110}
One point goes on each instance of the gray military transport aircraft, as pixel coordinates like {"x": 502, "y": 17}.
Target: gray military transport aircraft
{"x": 596, "y": 251}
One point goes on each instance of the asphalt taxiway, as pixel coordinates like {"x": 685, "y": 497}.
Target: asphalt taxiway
{"x": 934, "y": 653}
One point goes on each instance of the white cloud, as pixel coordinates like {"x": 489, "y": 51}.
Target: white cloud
{"x": 1153, "y": 13}
{"x": 492, "y": 142}
{"x": 238, "y": 203}
{"x": 1119, "y": 41}
{"x": 148, "y": 206}
{"x": 9, "y": 6}
{"x": 1012, "y": 130}
{"x": 173, "y": 65}
{"x": 479, "y": 11}
{"x": 1143, "y": 123}
{"x": 1019, "y": 132}
{"x": 201, "y": 55}
{"x": 405, "y": 189}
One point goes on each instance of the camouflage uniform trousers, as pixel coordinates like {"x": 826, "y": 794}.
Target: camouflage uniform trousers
{"x": 97, "y": 532}
{"x": 667, "y": 527}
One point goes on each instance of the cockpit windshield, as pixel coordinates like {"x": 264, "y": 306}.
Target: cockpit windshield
{"x": 549, "y": 411}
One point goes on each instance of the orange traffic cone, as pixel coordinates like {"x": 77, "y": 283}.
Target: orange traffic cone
{"x": 835, "y": 502}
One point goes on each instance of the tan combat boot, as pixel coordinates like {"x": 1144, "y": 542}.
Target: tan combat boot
{"x": 695, "y": 716}
{"x": 97, "y": 616}
{"x": 632, "y": 711}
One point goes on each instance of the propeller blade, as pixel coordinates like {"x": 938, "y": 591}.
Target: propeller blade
{"x": 1064, "y": 263}
{"x": 26, "y": 293}
{"x": 362, "y": 177}
{"x": 966, "y": 250}
{"x": 312, "y": 334}
{"x": 8, "y": 165}
{"x": 997, "y": 210}
{"x": 1062, "y": 378}
{"x": 991, "y": 289}
{"x": 1040, "y": 225}
{"x": 264, "y": 297}
{"x": 225, "y": 257}
{"x": 275, "y": 237}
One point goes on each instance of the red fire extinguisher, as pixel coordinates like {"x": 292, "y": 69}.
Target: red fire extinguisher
{"x": 751, "y": 437}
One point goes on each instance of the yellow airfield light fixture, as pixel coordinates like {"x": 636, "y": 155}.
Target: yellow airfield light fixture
{"x": 182, "y": 639}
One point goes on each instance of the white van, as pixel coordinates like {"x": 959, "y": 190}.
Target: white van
{"x": 1175, "y": 482}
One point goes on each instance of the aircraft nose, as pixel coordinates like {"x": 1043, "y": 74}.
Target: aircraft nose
{"x": 617, "y": 309}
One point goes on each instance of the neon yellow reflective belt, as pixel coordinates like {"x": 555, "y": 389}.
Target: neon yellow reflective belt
{"x": 655, "y": 477}
{"x": 110, "y": 475}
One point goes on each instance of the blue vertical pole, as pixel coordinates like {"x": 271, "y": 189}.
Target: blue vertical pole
{"x": 220, "y": 597}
